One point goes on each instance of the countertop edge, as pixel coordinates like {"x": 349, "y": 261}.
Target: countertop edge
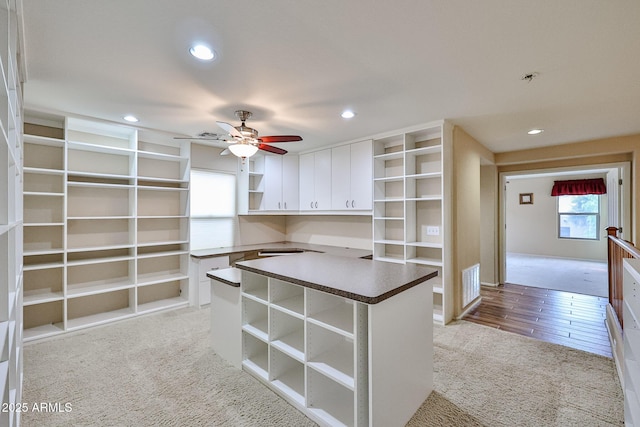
{"x": 339, "y": 292}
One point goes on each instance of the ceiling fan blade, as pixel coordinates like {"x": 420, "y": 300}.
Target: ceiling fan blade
{"x": 271, "y": 149}
{"x": 225, "y": 152}
{"x": 230, "y": 129}
{"x": 280, "y": 138}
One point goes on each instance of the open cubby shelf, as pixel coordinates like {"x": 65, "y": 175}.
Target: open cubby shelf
{"x": 107, "y": 218}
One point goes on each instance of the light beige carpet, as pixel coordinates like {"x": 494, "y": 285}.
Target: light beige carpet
{"x": 159, "y": 370}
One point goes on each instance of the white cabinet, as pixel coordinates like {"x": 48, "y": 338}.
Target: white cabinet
{"x": 352, "y": 176}
{"x": 106, "y": 226}
{"x": 631, "y": 324}
{"x": 199, "y": 279}
{"x": 315, "y": 181}
{"x": 281, "y": 190}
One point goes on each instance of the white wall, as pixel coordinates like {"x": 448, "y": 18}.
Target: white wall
{"x": 533, "y": 229}
{"x": 489, "y": 223}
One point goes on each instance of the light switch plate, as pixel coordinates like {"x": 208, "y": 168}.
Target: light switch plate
{"x": 433, "y": 230}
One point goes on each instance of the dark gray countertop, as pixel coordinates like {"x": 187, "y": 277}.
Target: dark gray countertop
{"x": 358, "y": 279}
{"x": 333, "y": 250}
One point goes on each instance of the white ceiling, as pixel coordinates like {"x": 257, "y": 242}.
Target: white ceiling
{"x": 298, "y": 64}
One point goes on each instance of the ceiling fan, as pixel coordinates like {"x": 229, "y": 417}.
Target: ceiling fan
{"x": 244, "y": 140}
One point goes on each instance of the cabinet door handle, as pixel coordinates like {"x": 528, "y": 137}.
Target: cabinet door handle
{"x": 285, "y": 205}
{"x": 311, "y": 205}
{"x": 279, "y": 205}
{"x": 316, "y": 205}
{"x": 347, "y": 203}
{"x": 353, "y": 203}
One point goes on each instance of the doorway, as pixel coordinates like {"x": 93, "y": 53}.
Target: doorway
{"x": 537, "y": 252}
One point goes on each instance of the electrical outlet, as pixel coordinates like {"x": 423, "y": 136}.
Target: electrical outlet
{"x": 433, "y": 230}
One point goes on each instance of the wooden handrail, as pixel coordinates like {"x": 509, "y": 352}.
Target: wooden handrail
{"x": 617, "y": 251}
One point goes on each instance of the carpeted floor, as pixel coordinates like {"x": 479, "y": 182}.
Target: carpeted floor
{"x": 159, "y": 370}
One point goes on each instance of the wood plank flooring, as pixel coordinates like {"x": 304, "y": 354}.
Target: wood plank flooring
{"x": 569, "y": 319}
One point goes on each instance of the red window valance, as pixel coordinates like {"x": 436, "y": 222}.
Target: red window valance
{"x": 579, "y": 187}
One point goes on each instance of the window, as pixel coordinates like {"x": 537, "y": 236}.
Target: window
{"x": 579, "y": 217}
{"x": 213, "y": 209}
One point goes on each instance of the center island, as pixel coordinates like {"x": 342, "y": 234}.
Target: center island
{"x": 347, "y": 341}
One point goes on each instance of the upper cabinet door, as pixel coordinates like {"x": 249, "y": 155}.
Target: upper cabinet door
{"x": 322, "y": 181}
{"x": 306, "y": 179}
{"x": 362, "y": 175}
{"x": 272, "y": 183}
{"x": 290, "y": 186}
{"x": 341, "y": 178}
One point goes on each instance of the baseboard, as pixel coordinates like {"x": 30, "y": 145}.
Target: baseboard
{"x": 470, "y": 307}
{"x": 616, "y": 340}
{"x": 493, "y": 285}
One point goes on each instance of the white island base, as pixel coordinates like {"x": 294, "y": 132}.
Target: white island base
{"x": 338, "y": 360}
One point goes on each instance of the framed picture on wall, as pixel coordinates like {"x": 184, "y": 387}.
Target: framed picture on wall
{"x": 526, "y": 198}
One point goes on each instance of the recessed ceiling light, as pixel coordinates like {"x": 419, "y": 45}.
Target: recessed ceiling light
{"x": 348, "y": 114}
{"x": 203, "y": 52}
{"x": 132, "y": 119}
{"x": 535, "y": 131}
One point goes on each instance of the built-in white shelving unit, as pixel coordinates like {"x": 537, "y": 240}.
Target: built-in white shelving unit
{"x": 106, "y": 224}
{"x": 303, "y": 343}
{"x": 410, "y": 210}
{"x": 631, "y": 321}
{"x": 12, "y": 177}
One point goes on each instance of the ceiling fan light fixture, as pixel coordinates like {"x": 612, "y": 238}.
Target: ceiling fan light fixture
{"x": 243, "y": 150}
{"x": 202, "y": 52}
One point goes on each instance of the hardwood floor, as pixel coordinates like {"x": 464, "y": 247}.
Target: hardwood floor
{"x": 569, "y": 319}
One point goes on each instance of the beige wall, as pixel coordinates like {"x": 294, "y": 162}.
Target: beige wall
{"x": 533, "y": 228}
{"x": 489, "y": 259}
{"x": 465, "y": 225}
{"x": 253, "y": 229}
{"x": 595, "y": 152}
{"x": 336, "y": 230}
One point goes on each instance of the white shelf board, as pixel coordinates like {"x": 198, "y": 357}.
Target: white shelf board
{"x": 42, "y": 194}
{"x": 162, "y": 243}
{"x": 41, "y": 296}
{"x": 424, "y": 175}
{"x": 98, "y": 218}
{"x": 395, "y": 155}
{"x": 389, "y": 178}
{"x": 42, "y": 171}
{"x": 397, "y": 260}
{"x": 336, "y": 364}
{"x": 163, "y": 304}
{"x": 161, "y": 156}
{"x": 98, "y": 318}
{"x": 159, "y": 188}
{"x": 42, "y": 252}
{"x": 99, "y": 260}
{"x": 160, "y": 277}
{"x": 42, "y": 331}
{"x": 425, "y": 245}
{"x": 389, "y": 200}
{"x": 255, "y": 365}
{"x": 424, "y": 150}
{"x": 44, "y": 224}
{"x": 162, "y": 217}
{"x": 291, "y": 345}
{"x": 338, "y": 319}
{"x": 258, "y": 330}
{"x": 291, "y": 383}
{"x": 435, "y": 197}
{"x": 437, "y": 314}
{"x": 293, "y": 306}
{"x": 258, "y": 295}
{"x": 96, "y": 148}
{"x": 98, "y": 287}
{"x": 72, "y": 173}
{"x": 161, "y": 254}
{"x": 99, "y": 185}
{"x": 425, "y": 261}
{"x": 97, "y": 248}
{"x": 43, "y": 140}
{"x": 389, "y": 218}
{"x": 390, "y": 242}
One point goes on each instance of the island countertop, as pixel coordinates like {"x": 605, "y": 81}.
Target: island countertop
{"x": 358, "y": 279}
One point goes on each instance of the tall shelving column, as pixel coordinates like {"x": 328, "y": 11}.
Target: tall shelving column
{"x": 411, "y": 205}
{"x": 388, "y": 199}
{"x": 100, "y": 219}
{"x": 162, "y": 197}
{"x": 11, "y": 217}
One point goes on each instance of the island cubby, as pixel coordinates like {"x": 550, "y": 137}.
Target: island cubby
{"x": 411, "y": 180}
{"x": 325, "y": 353}
{"x": 106, "y": 223}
